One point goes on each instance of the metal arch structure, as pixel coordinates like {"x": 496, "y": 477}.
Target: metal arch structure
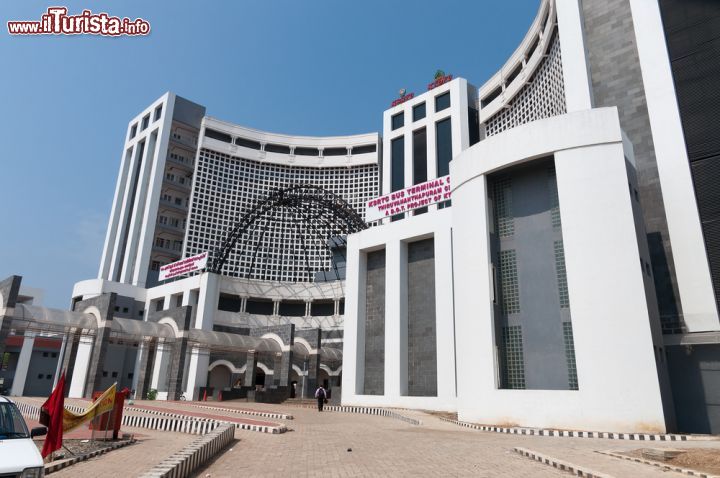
{"x": 324, "y": 215}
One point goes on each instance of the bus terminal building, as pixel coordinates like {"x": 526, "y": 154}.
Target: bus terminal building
{"x": 537, "y": 251}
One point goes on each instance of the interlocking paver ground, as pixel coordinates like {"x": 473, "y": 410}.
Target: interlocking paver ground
{"x": 317, "y": 443}
{"x": 382, "y": 446}
{"x": 132, "y": 460}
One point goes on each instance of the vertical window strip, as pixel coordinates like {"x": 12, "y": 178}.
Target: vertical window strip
{"x": 503, "y": 208}
{"x": 554, "y": 199}
{"x": 514, "y": 362}
{"x": 509, "y": 282}
{"x": 561, "y": 275}
{"x": 570, "y": 355}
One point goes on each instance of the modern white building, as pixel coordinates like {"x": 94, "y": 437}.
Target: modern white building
{"x": 566, "y": 274}
{"x": 573, "y": 242}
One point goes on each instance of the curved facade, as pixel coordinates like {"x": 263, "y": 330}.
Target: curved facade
{"x": 557, "y": 248}
{"x": 557, "y": 276}
{"x": 238, "y": 168}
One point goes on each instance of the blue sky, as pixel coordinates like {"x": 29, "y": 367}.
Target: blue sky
{"x": 315, "y": 67}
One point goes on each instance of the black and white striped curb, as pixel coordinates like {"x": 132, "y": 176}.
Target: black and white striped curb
{"x": 60, "y": 464}
{"x": 28, "y": 410}
{"x": 188, "y": 425}
{"x": 659, "y": 464}
{"x": 559, "y": 464}
{"x": 240, "y": 411}
{"x": 170, "y": 422}
{"x": 577, "y": 433}
{"x": 197, "y": 453}
{"x": 383, "y": 412}
{"x": 277, "y": 428}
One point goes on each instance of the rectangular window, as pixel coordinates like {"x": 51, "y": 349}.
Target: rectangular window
{"x": 158, "y": 113}
{"x": 509, "y": 282}
{"x": 554, "y": 200}
{"x": 561, "y": 275}
{"x": 133, "y": 131}
{"x": 145, "y": 122}
{"x": 474, "y": 125}
{"x": 397, "y": 160}
{"x": 419, "y": 156}
{"x": 570, "y": 355}
{"x": 504, "y": 220}
{"x": 443, "y": 146}
{"x": 418, "y": 112}
{"x": 514, "y": 361}
{"x": 442, "y": 102}
{"x": 397, "y": 121}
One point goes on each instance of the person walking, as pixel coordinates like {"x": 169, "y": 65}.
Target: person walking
{"x": 321, "y": 396}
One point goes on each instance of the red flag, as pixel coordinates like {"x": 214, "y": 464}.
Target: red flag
{"x": 53, "y": 411}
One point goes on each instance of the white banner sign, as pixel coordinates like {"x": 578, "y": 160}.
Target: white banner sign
{"x": 183, "y": 266}
{"x": 404, "y": 200}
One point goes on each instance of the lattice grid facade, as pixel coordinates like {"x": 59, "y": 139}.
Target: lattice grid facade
{"x": 570, "y": 355}
{"x": 542, "y": 97}
{"x": 226, "y": 187}
{"x": 514, "y": 360}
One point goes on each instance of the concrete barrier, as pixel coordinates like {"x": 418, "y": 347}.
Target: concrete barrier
{"x": 194, "y": 455}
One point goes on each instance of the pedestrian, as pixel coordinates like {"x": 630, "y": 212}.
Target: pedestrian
{"x": 321, "y": 396}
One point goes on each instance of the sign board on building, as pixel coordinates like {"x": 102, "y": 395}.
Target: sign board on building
{"x": 404, "y": 200}
{"x": 183, "y": 266}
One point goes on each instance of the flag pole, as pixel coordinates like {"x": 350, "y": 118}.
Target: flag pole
{"x": 107, "y": 422}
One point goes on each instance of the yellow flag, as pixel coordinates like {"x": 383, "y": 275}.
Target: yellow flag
{"x": 103, "y": 404}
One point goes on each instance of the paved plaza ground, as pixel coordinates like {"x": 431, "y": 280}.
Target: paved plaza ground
{"x": 317, "y": 444}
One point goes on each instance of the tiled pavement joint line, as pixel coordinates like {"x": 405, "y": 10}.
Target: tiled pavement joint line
{"x": 194, "y": 455}
{"x": 240, "y": 411}
{"x": 559, "y": 464}
{"x": 658, "y": 464}
{"x": 365, "y": 411}
{"x": 579, "y": 434}
{"x": 60, "y": 464}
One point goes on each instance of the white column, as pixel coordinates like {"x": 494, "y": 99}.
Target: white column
{"x": 61, "y": 358}
{"x": 82, "y": 364}
{"x": 207, "y": 302}
{"x": 197, "y": 372}
{"x": 160, "y": 369}
{"x": 578, "y": 92}
{"x": 395, "y": 319}
{"x": 475, "y": 326}
{"x": 116, "y": 217}
{"x": 691, "y": 263}
{"x": 142, "y": 349}
{"x": 444, "y": 320}
{"x": 129, "y": 265}
{"x": 23, "y": 365}
{"x": 124, "y": 217}
{"x": 354, "y": 330}
{"x": 167, "y": 302}
{"x": 199, "y": 358}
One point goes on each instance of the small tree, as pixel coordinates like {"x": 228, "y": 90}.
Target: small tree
{"x": 151, "y": 394}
